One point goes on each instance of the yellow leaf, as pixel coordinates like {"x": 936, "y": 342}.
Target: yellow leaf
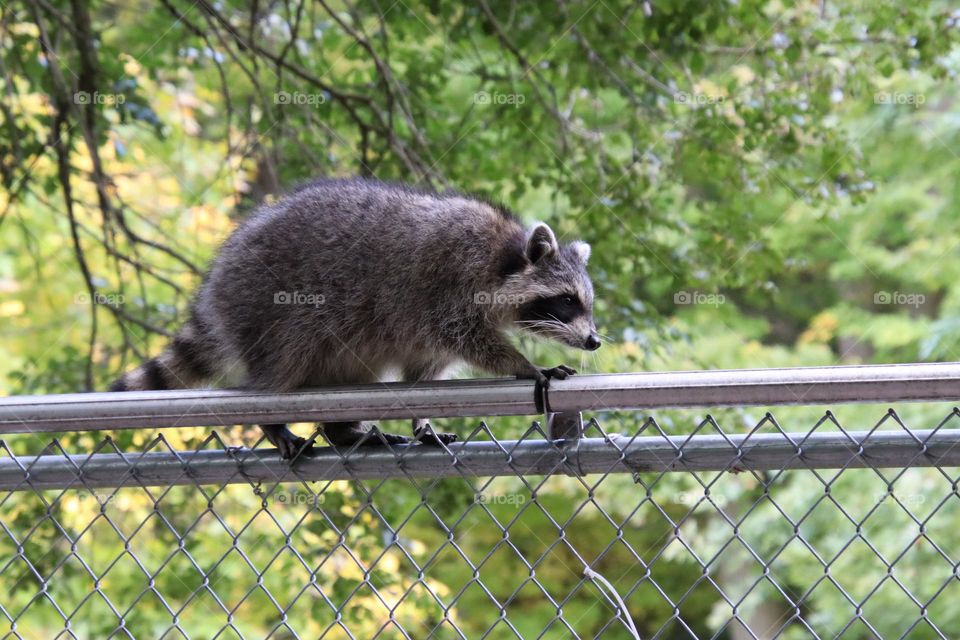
{"x": 130, "y": 65}
{"x": 10, "y": 308}
{"x": 822, "y": 329}
{"x": 25, "y": 29}
{"x": 743, "y": 74}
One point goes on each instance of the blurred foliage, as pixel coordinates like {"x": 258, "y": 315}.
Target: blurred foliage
{"x": 763, "y": 183}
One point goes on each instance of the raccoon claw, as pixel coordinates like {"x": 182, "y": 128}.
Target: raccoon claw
{"x": 289, "y": 445}
{"x": 350, "y": 434}
{"x": 296, "y": 447}
{"x": 430, "y": 438}
{"x": 374, "y": 437}
{"x": 542, "y": 382}
{"x": 560, "y": 372}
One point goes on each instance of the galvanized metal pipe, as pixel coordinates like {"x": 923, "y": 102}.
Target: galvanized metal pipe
{"x": 484, "y": 398}
{"x": 618, "y": 454}
{"x": 760, "y": 387}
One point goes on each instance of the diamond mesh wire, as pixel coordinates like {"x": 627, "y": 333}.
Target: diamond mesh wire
{"x": 730, "y": 552}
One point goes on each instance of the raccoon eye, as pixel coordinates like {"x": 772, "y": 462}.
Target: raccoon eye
{"x": 568, "y": 300}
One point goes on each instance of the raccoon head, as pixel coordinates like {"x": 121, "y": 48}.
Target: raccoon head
{"x": 553, "y": 291}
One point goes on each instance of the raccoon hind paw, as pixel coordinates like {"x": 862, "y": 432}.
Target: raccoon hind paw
{"x": 290, "y": 445}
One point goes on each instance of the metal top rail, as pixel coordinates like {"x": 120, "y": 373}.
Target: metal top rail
{"x": 483, "y": 398}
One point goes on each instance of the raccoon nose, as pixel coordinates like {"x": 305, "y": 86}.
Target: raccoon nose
{"x": 592, "y": 343}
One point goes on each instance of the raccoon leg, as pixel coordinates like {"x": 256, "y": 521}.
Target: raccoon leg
{"x": 264, "y": 372}
{"x": 338, "y": 434}
{"x": 493, "y": 353}
{"x": 347, "y": 434}
{"x": 422, "y": 431}
{"x": 287, "y": 443}
{"x": 541, "y": 382}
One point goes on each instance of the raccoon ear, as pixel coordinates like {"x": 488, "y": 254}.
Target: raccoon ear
{"x": 541, "y": 243}
{"x": 582, "y": 249}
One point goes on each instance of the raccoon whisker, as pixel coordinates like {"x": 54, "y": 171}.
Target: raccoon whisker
{"x": 548, "y": 331}
{"x": 559, "y": 332}
{"x": 543, "y": 324}
{"x": 551, "y": 329}
{"x": 565, "y": 328}
{"x": 538, "y": 325}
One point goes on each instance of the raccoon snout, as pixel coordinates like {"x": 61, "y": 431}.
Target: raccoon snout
{"x": 592, "y": 343}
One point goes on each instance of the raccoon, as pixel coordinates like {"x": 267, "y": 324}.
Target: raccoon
{"x": 343, "y": 281}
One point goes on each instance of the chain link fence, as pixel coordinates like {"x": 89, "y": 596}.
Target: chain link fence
{"x": 665, "y": 524}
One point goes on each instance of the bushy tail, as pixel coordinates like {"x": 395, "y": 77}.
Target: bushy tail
{"x": 182, "y": 365}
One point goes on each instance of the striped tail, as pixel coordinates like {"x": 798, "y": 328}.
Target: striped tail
{"x": 182, "y": 365}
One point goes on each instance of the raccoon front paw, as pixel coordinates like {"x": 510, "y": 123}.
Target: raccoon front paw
{"x": 430, "y": 438}
{"x": 372, "y": 437}
{"x": 560, "y": 372}
{"x": 375, "y": 437}
{"x": 349, "y": 434}
{"x": 289, "y": 445}
{"x": 542, "y": 382}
